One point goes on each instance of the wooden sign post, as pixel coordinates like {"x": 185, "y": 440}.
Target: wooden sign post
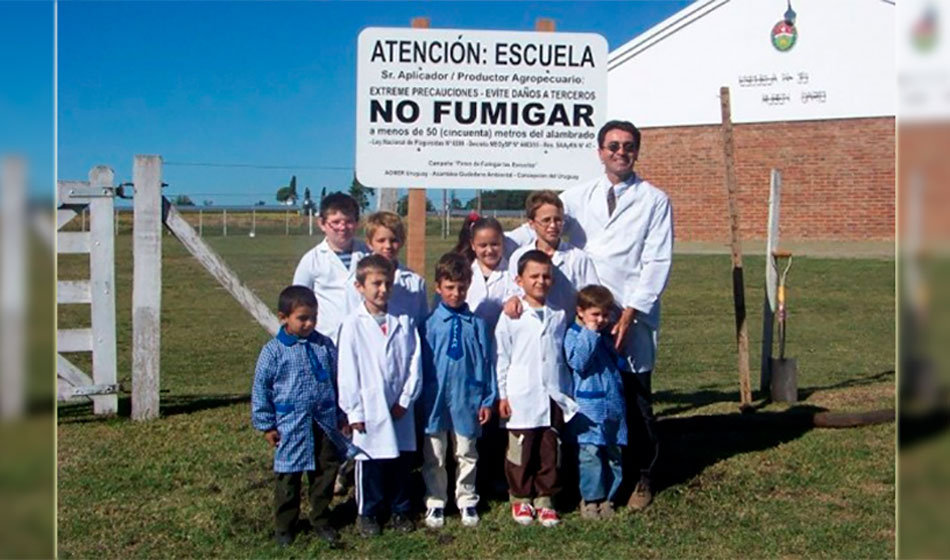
{"x": 738, "y": 287}
{"x": 416, "y": 243}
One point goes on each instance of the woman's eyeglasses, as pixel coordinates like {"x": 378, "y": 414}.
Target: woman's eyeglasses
{"x": 628, "y": 147}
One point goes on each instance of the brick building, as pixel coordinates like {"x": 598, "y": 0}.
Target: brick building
{"x": 812, "y": 94}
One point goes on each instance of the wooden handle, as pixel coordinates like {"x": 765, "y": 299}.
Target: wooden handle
{"x": 781, "y": 254}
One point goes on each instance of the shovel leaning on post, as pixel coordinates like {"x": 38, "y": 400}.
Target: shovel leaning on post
{"x": 784, "y": 371}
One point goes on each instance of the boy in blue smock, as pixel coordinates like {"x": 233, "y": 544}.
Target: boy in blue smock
{"x": 293, "y": 401}
{"x": 458, "y": 391}
{"x": 600, "y": 424}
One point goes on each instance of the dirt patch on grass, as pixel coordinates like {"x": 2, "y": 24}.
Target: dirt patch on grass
{"x": 865, "y": 397}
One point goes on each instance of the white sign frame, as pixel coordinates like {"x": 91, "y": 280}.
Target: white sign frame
{"x": 474, "y": 109}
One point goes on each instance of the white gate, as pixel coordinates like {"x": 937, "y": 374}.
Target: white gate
{"x": 98, "y": 195}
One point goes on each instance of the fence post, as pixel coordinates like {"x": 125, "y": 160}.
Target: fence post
{"x": 116, "y": 211}
{"x": 146, "y": 286}
{"x": 13, "y": 287}
{"x": 286, "y": 222}
{"x": 102, "y": 287}
{"x": 310, "y": 222}
{"x": 225, "y": 222}
{"x": 253, "y": 222}
{"x": 201, "y": 225}
{"x": 738, "y": 283}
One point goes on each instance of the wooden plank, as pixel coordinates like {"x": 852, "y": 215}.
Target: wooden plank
{"x": 102, "y": 285}
{"x": 72, "y": 242}
{"x": 146, "y": 286}
{"x": 68, "y": 372}
{"x": 13, "y": 286}
{"x": 64, "y": 393}
{"x": 214, "y": 264}
{"x": 69, "y": 378}
{"x": 74, "y": 340}
{"x": 64, "y": 216}
{"x": 73, "y": 291}
{"x": 738, "y": 285}
{"x": 65, "y": 193}
{"x": 106, "y": 391}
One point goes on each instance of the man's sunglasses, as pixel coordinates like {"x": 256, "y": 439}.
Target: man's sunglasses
{"x": 614, "y": 147}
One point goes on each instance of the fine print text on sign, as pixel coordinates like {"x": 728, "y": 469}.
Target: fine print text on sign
{"x": 444, "y": 108}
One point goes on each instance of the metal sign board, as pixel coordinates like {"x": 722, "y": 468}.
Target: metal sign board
{"x": 449, "y": 108}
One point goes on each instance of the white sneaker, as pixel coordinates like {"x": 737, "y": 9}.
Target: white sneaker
{"x": 435, "y": 518}
{"x": 469, "y": 517}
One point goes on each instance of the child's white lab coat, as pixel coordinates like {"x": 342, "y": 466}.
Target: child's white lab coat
{"x": 376, "y": 371}
{"x": 487, "y": 296}
{"x": 408, "y": 298}
{"x": 573, "y": 269}
{"x": 530, "y": 367}
{"x": 321, "y": 270}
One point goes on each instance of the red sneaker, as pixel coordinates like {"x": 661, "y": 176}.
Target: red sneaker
{"x": 548, "y": 517}
{"x": 522, "y": 513}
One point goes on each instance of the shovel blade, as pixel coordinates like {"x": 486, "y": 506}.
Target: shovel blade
{"x": 784, "y": 374}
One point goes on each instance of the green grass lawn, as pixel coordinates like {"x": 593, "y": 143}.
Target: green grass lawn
{"x": 197, "y": 481}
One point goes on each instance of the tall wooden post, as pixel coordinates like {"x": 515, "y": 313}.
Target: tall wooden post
{"x": 738, "y": 286}
{"x": 13, "y": 287}
{"x": 544, "y": 24}
{"x": 416, "y": 244}
{"x": 146, "y": 286}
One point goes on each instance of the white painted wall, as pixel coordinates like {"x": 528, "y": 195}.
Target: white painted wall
{"x": 671, "y": 74}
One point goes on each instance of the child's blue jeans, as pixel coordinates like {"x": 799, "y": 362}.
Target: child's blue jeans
{"x": 600, "y": 471}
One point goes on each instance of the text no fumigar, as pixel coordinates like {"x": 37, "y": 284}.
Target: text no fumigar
{"x": 484, "y": 112}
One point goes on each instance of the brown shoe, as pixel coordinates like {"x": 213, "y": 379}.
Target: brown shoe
{"x": 642, "y": 497}
{"x": 590, "y": 510}
{"x": 607, "y": 510}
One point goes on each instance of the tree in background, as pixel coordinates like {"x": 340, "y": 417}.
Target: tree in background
{"x": 402, "y": 205}
{"x": 307, "y": 207}
{"x": 207, "y": 202}
{"x": 183, "y": 200}
{"x": 260, "y": 203}
{"x": 361, "y": 193}
{"x": 500, "y": 200}
{"x": 288, "y": 195}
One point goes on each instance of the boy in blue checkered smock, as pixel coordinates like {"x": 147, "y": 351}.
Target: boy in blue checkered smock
{"x": 600, "y": 423}
{"x": 294, "y": 402}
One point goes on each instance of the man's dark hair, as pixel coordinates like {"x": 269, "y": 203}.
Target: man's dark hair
{"x": 595, "y": 296}
{"x": 293, "y": 297}
{"x": 454, "y": 268}
{"x": 625, "y": 126}
{"x": 375, "y": 263}
{"x": 535, "y": 256}
{"x": 339, "y": 202}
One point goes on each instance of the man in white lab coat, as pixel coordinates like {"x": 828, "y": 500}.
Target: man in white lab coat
{"x": 625, "y": 224}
